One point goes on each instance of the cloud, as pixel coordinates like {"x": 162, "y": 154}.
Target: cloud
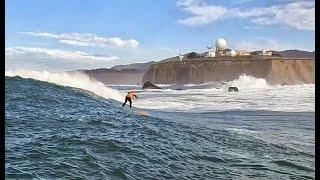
{"x": 75, "y": 43}
{"x": 241, "y": 1}
{"x": 201, "y": 13}
{"x": 298, "y": 14}
{"x": 187, "y": 3}
{"x": 35, "y": 52}
{"x": 77, "y": 39}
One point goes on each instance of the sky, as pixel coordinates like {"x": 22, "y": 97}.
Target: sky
{"x": 64, "y": 35}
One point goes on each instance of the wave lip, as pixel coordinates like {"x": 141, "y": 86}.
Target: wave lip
{"x": 74, "y": 79}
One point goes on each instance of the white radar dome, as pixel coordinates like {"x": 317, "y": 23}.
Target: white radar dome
{"x": 221, "y": 44}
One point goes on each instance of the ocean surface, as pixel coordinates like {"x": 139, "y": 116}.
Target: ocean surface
{"x": 61, "y": 126}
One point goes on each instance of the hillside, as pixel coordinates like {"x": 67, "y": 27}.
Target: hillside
{"x": 297, "y": 54}
{"x": 137, "y": 66}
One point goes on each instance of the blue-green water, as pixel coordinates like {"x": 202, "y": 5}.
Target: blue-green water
{"x": 60, "y": 132}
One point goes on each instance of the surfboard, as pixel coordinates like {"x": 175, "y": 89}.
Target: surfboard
{"x": 139, "y": 112}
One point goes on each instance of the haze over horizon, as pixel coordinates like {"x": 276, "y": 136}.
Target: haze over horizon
{"x": 68, "y": 35}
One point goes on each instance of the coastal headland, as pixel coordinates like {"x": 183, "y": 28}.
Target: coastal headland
{"x": 201, "y": 70}
{"x": 289, "y": 67}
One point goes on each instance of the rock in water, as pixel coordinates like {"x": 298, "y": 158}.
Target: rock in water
{"x": 149, "y": 85}
{"x": 233, "y": 89}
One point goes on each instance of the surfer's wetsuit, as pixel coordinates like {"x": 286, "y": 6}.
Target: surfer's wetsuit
{"x": 129, "y": 98}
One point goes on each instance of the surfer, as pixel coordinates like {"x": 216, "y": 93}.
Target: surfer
{"x": 129, "y": 97}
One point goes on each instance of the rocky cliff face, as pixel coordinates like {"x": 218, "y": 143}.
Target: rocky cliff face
{"x": 275, "y": 71}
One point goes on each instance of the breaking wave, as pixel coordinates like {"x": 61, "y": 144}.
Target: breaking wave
{"x": 245, "y": 82}
{"x": 74, "y": 79}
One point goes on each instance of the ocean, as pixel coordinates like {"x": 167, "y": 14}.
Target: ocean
{"x": 62, "y": 126}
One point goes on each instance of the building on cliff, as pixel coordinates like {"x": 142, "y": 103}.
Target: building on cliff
{"x": 261, "y": 53}
{"x": 221, "y": 50}
{"x": 209, "y": 54}
{"x": 242, "y": 53}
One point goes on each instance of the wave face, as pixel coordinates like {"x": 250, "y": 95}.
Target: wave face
{"x": 58, "y": 132}
{"x": 74, "y": 79}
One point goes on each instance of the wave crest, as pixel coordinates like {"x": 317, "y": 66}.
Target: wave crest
{"x": 74, "y": 79}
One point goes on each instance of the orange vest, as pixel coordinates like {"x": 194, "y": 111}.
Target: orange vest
{"x": 131, "y": 94}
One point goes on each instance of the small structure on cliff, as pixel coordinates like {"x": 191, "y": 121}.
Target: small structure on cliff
{"x": 261, "y": 53}
{"x": 180, "y": 57}
{"x": 242, "y": 53}
{"x": 210, "y": 52}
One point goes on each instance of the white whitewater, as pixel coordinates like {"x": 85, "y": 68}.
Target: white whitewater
{"x": 254, "y": 94}
{"x": 75, "y": 79}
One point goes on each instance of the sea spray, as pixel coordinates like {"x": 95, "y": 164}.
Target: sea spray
{"x": 255, "y": 94}
{"x": 74, "y": 79}
{"x": 244, "y": 82}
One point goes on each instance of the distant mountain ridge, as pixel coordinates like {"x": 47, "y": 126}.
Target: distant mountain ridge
{"x": 137, "y": 66}
{"x": 297, "y": 54}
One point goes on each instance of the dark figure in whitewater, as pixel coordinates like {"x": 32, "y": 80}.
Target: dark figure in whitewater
{"x": 129, "y": 97}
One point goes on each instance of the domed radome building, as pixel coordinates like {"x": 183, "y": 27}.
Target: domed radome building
{"x": 221, "y": 50}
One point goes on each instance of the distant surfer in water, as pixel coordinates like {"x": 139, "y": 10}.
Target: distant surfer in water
{"x": 129, "y": 97}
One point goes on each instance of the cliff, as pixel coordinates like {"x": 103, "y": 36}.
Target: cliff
{"x": 275, "y": 71}
{"x": 134, "y": 73}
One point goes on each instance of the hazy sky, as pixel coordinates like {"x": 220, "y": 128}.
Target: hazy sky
{"x": 76, "y": 34}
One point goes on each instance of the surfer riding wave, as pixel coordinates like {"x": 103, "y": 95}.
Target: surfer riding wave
{"x": 129, "y": 97}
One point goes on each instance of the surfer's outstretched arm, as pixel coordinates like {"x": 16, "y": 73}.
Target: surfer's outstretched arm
{"x": 135, "y": 96}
